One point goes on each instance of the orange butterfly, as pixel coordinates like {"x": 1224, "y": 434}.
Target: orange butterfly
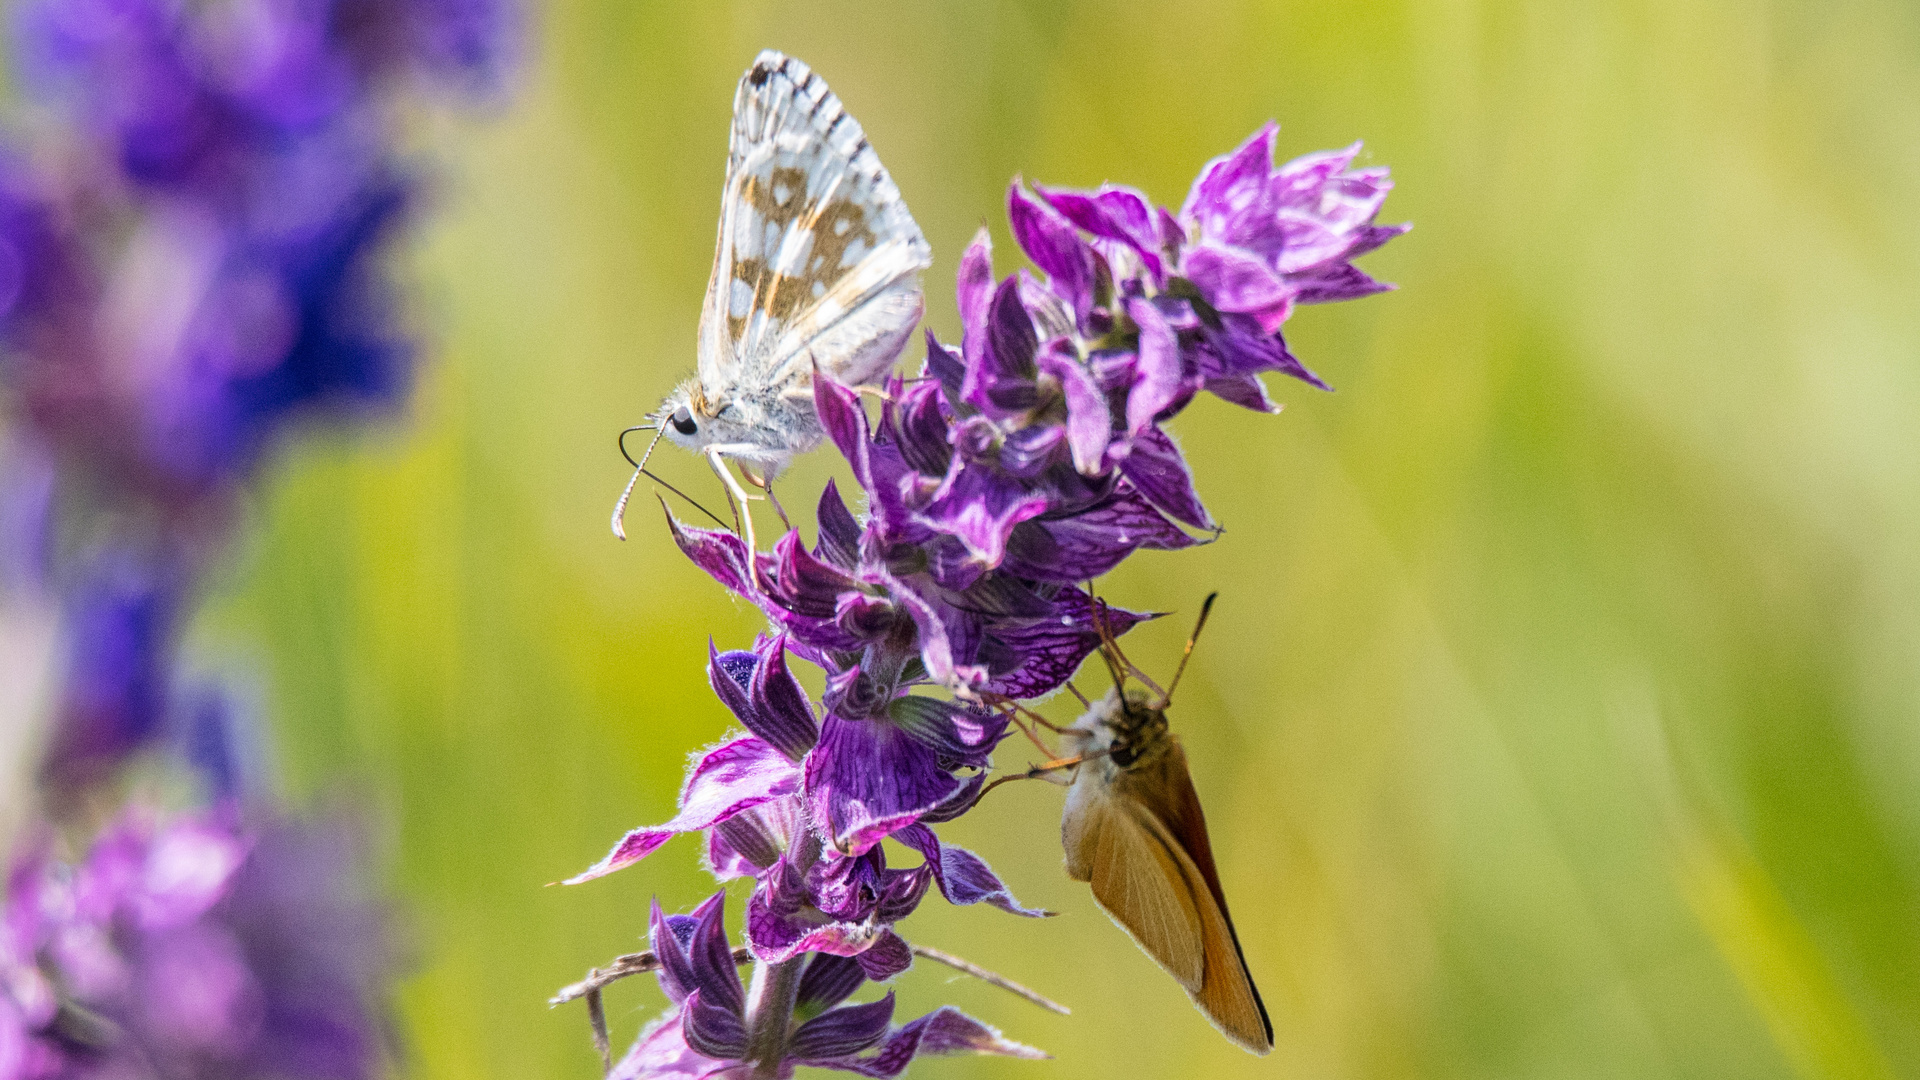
{"x": 1134, "y": 830}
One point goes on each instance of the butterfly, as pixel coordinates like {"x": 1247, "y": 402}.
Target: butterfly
{"x": 817, "y": 269}
{"x": 1133, "y": 829}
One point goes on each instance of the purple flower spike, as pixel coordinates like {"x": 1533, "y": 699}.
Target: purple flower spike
{"x": 1027, "y": 460}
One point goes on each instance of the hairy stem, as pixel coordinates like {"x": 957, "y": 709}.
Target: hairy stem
{"x": 775, "y": 989}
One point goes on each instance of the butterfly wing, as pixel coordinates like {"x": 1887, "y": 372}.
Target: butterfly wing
{"x": 1138, "y": 881}
{"x": 818, "y": 259}
{"x": 1141, "y": 842}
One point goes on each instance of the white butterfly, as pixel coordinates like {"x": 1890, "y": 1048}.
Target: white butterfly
{"x": 817, "y": 268}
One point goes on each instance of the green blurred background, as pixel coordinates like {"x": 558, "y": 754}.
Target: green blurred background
{"x": 1559, "y": 715}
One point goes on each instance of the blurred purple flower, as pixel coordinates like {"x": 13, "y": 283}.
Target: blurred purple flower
{"x": 195, "y": 948}
{"x": 191, "y": 257}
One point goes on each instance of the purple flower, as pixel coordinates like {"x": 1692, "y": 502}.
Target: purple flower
{"x": 194, "y": 947}
{"x": 705, "y": 1031}
{"x": 192, "y": 254}
{"x": 1023, "y": 463}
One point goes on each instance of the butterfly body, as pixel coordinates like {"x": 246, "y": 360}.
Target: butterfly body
{"x": 1133, "y": 829}
{"x": 816, "y": 271}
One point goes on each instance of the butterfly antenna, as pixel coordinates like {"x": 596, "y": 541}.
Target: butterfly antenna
{"x": 1206, "y": 607}
{"x": 1109, "y": 648}
{"x": 640, "y": 470}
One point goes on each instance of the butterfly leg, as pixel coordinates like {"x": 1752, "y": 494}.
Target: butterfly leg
{"x": 1038, "y": 772}
{"x": 765, "y": 483}
{"x": 742, "y": 509}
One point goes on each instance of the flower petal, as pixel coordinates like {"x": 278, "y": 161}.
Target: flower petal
{"x": 867, "y": 778}
{"x": 726, "y": 780}
{"x": 713, "y": 1030}
{"x": 661, "y": 1053}
{"x": 843, "y": 1031}
{"x": 829, "y": 980}
{"x": 1161, "y": 384}
{"x": 1089, "y": 420}
{"x": 963, "y": 877}
{"x": 1054, "y": 247}
{"x": 946, "y": 1030}
{"x": 1155, "y": 468}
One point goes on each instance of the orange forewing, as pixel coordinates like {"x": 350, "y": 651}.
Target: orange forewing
{"x": 1143, "y": 845}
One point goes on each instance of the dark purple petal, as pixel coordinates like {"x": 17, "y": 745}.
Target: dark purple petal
{"x": 843, "y": 1031}
{"x": 1089, "y": 421}
{"x": 959, "y": 802}
{"x": 1055, "y": 248}
{"x": 1246, "y": 391}
{"x": 1155, "y": 468}
{"x": 736, "y": 664}
{"x": 1034, "y": 657}
{"x": 947, "y": 640}
{"x": 1238, "y": 345}
{"x": 728, "y": 779}
{"x": 974, "y": 296}
{"x": 957, "y": 733}
{"x": 829, "y": 980}
{"x": 1115, "y": 213}
{"x": 979, "y": 508}
{"x": 839, "y": 541}
{"x": 1339, "y": 281}
{"x": 669, "y": 937}
{"x": 945, "y": 366}
{"x": 963, "y": 877}
{"x": 1074, "y": 547}
{"x": 711, "y": 957}
{"x": 1161, "y": 383}
{"x": 946, "y": 1030}
{"x": 867, "y": 778}
{"x": 888, "y": 957}
{"x": 713, "y": 1030}
{"x": 781, "y": 714}
{"x": 1000, "y": 376}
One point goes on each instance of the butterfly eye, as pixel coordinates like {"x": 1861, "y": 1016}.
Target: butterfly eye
{"x": 683, "y": 421}
{"x": 1121, "y": 754}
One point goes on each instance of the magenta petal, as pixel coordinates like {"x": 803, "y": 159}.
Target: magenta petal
{"x": 1236, "y": 281}
{"x": 974, "y": 293}
{"x": 1156, "y": 469}
{"x": 842, "y": 1031}
{"x": 1054, "y": 247}
{"x": 867, "y": 778}
{"x": 1160, "y": 381}
{"x": 733, "y": 777}
{"x": 1089, "y": 420}
{"x": 1229, "y": 183}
